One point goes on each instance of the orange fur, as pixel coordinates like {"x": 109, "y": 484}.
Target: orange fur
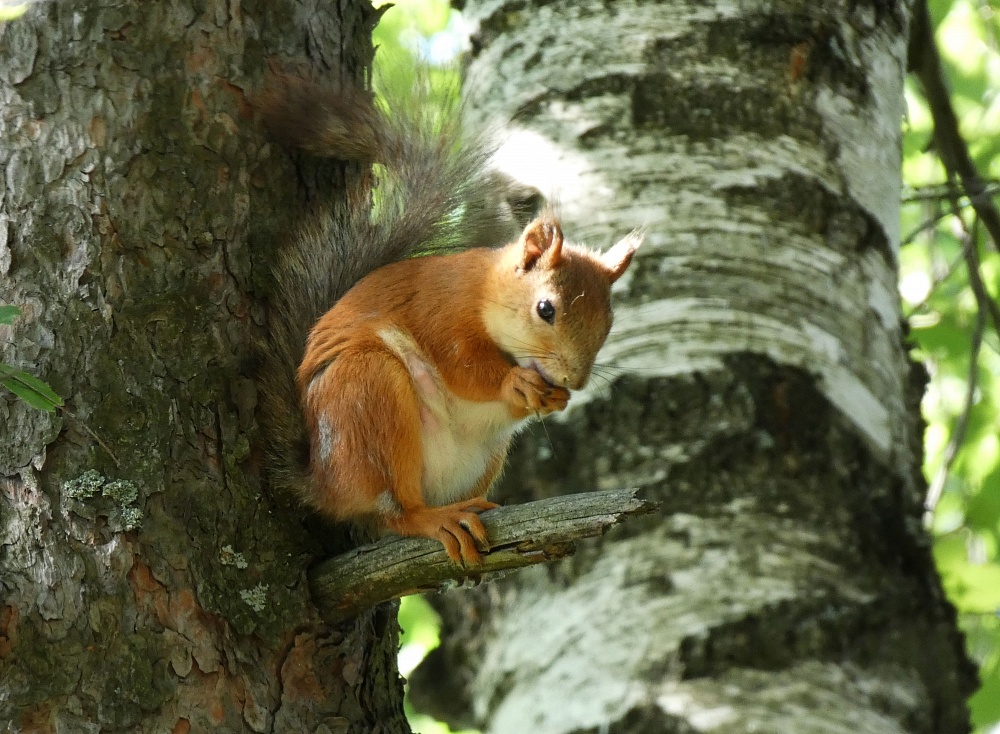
{"x": 414, "y": 383}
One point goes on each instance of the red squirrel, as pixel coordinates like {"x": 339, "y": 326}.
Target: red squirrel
{"x": 413, "y": 384}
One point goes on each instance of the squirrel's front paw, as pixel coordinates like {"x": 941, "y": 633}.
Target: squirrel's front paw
{"x": 527, "y": 392}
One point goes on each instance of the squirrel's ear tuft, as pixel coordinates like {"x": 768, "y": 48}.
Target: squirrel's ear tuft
{"x": 617, "y": 259}
{"x": 541, "y": 240}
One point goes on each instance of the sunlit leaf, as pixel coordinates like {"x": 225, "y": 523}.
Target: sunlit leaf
{"x": 981, "y": 446}
{"x": 10, "y": 12}
{"x": 950, "y": 551}
{"x": 975, "y": 587}
{"x": 985, "y": 152}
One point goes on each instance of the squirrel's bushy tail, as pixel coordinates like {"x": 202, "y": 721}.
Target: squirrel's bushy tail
{"x": 433, "y": 193}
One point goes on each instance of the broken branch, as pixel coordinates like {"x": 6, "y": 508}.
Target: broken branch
{"x": 521, "y": 535}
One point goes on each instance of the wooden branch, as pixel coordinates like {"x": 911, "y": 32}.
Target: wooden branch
{"x": 925, "y": 63}
{"x": 521, "y": 535}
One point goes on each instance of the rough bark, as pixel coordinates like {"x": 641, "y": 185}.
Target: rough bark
{"x": 149, "y": 582}
{"x": 762, "y": 390}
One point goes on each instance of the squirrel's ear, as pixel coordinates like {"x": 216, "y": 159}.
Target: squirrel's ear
{"x": 616, "y": 259}
{"x": 541, "y": 238}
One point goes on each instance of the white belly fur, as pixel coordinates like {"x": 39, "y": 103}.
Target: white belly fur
{"x": 459, "y": 437}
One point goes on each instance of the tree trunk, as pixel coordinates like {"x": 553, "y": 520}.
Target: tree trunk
{"x": 765, "y": 395}
{"x": 149, "y": 582}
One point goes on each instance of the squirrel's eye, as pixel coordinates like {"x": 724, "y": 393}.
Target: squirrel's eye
{"x": 546, "y": 310}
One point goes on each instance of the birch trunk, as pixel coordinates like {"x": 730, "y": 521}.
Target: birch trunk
{"x": 148, "y": 582}
{"x": 762, "y": 392}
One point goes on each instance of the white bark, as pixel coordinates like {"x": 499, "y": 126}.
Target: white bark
{"x": 766, "y": 283}
{"x": 765, "y": 396}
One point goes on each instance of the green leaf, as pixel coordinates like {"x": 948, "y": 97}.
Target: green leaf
{"x": 938, "y": 10}
{"x": 975, "y": 588}
{"x": 984, "y": 506}
{"x": 950, "y": 553}
{"x": 29, "y": 388}
{"x": 985, "y": 151}
{"x": 7, "y": 314}
{"x": 985, "y": 703}
{"x": 944, "y": 339}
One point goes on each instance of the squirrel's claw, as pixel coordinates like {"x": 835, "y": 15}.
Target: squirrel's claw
{"x": 527, "y": 392}
{"x": 457, "y": 527}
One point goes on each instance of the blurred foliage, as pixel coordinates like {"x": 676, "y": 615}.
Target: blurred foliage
{"x": 420, "y": 625}
{"x": 962, "y": 442}
{"x": 417, "y": 27}
{"x": 960, "y": 348}
{"x": 425, "y": 30}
